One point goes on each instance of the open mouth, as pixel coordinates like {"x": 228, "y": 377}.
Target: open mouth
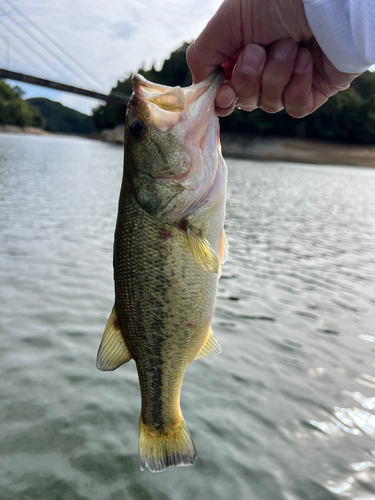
{"x": 169, "y": 105}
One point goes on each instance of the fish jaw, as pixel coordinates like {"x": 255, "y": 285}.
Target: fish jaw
{"x": 166, "y": 104}
{"x": 174, "y": 166}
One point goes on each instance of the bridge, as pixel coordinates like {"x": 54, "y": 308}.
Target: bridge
{"x": 34, "y": 80}
{"x": 31, "y": 47}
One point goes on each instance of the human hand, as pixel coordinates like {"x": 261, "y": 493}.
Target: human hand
{"x": 293, "y": 72}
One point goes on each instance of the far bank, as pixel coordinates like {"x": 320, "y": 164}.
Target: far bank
{"x": 294, "y": 149}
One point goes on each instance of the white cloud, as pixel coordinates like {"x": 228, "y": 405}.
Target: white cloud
{"x": 111, "y": 39}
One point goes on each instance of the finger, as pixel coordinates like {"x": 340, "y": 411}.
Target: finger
{"x": 298, "y": 95}
{"x": 277, "y": 73}
{"x": 225, "y": 101}
{"x": 327, "y": 80}
{"x": 247, "y": 74}
{"x": 221, "y": 38}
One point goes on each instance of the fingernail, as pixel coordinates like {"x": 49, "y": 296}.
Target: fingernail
{"x": 225, "y": 97}
{"x": 282, "y": 49}
{"x": 302, "y": 61}
{"x": 253, "y": 57}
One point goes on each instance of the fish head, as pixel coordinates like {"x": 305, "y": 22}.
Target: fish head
{"x": 172, "y": 145}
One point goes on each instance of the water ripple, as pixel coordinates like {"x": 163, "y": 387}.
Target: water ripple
{"x": 287, "y": 410}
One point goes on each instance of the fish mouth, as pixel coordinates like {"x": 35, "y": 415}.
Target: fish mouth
{"x": 167, "y": 106}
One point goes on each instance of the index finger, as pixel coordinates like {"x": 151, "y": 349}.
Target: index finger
{"x": 221, "y": 39}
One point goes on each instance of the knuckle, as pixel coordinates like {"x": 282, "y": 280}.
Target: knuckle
{"x": 297, "y": 112}
{"x": 296, "y": 94}
{"x": 271, "y": 107}
{"x": 248, "y": 109}
{"x": 247, "y": 104}
{"x": 246, "y": 87}
{"x": 298, "y": 102}
{"x": 225, "y": 112}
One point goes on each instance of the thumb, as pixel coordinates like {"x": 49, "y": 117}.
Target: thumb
{"x": 221, "y": 38}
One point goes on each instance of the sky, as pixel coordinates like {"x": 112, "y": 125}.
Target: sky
{"x": 111, "y": 39}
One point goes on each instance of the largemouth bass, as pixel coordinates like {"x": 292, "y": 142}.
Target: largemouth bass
{"x": 168, "y": 251}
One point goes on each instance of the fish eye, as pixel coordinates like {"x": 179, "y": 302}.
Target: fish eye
{"x": 138, "y": 128}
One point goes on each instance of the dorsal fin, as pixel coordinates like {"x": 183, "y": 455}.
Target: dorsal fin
{"x": 113, "y": 351}
{"x": 210, "y": 346}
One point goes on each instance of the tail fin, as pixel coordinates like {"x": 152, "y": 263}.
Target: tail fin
{"x": 160, "y": 450}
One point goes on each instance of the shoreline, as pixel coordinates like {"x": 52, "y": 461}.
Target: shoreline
{"x": 14, "y": 129}
{"x": 294, "y": 149}
{"x": 289, "y": 149}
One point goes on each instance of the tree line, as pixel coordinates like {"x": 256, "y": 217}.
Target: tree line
{"x": 15, "y": 111}
{"x": 40, "y": 112}
{"x": 348, "y": 116}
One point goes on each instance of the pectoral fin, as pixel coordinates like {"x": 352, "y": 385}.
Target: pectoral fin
{"x": 202, "y": 251}
{"x": 113, "y": 351}
{"x": 210, "y": 346}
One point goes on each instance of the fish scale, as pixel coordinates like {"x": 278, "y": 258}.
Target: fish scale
{"x": 155, "y": 306}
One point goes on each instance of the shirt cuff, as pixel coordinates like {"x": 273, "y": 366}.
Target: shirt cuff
{"x": 329, "y": 20}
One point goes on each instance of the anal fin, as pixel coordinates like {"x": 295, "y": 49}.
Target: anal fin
{"x": 210, "y": 346}
{"x": 113, "y": 351}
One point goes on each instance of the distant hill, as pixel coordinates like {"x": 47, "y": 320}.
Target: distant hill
{"x": 15, "y": 111}
{"x": 60, "y": 118}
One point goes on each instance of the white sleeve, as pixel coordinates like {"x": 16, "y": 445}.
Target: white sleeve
{"x": 345, "y": 30}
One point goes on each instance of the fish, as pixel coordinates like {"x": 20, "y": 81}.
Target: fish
{"x": 169, "y": 248}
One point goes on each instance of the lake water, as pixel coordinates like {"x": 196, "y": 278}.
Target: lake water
{"x": 286, "y": 412}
